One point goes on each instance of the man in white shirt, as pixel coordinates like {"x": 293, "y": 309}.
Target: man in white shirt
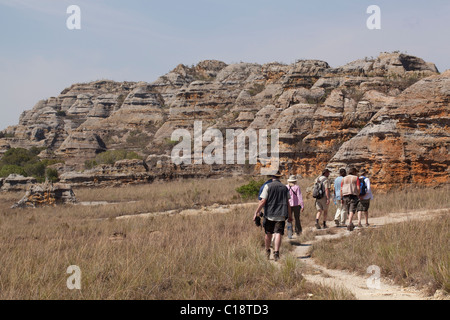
{"x": 364, "y": 202}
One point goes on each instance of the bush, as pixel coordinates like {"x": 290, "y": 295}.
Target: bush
{"x": 19, "y": 157}
{"x": 250, "y": 190}
{"x": 36, "y": 170}
{"x": 8, "y": 169}
{"x": 26, "y": 163}
{"x": 52, "y": 175}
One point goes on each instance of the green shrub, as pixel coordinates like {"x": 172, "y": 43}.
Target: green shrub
{"x": 52, "y": 175}
{"x": 250, "y": 190}
{"x": 8, "y": 169}
{"x": 26, "y": 163}
{"x": 19, "y": 157}
{"x": 36, "y": 170}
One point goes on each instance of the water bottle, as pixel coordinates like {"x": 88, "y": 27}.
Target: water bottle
{"x": 289, "y": 230}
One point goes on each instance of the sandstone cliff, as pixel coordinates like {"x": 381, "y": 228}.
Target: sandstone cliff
{"x": 388, "y": 114}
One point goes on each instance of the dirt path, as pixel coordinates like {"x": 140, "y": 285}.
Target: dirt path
{"x": 215, "y": 208}
{"x": 357, "y": 284}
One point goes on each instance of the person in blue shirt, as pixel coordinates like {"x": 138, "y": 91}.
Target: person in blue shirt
{"x": 341, "y": 211}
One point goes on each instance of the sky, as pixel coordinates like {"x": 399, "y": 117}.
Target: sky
{"x": 140, "y": 40}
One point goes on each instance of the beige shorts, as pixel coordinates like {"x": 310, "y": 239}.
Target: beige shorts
{"x": 321, "y": 204}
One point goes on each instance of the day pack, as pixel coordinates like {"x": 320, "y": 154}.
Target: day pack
{"x": 363, "y": 186}
{"x": 318, "y": 192}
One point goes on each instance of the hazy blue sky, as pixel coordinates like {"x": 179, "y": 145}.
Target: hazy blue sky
{"x": 139, "y": 40}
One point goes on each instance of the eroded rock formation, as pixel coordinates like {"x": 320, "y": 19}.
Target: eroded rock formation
{"x": 388, "y": 114}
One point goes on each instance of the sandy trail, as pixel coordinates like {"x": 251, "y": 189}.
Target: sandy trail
{"x": 357, "y": 284}
{"x": 213, "y": 209}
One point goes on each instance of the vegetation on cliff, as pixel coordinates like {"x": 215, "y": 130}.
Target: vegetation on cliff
{"x": 27, "y": 163}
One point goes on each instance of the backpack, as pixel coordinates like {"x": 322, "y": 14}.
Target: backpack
{"x": 363, "y": 186}
{"x": 318, "y": 192}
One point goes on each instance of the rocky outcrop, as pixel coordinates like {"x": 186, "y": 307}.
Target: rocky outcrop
{"x": 388, "y": 64}
{"x": 46, "y": 195}
{"x": 321, "y": 112}
{"x": 16, "y": 182}
{"x": 122, "y": 172}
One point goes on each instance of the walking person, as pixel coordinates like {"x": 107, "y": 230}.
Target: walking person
{"x": 296, "y": 202}
{"x": 275, "y": 201}
{"x": 341, "y": 211}
{"x": 323, "y": 203}
{"x": 365, "y": 197}
{"x": 350, "y": 191}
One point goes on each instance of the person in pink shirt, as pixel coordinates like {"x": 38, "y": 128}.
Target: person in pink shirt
{"x": 296, "y": 202}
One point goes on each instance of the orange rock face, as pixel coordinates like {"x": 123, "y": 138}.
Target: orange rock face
{"x": 407, "y": 141}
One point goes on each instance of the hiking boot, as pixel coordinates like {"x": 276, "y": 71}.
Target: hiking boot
{"x": 350, "y": 227}
{"x": 276, "y": 256}
{"x": 360, "y": 225}
{"x": 336, "y": 222}
{"x": 318, "y": 226}
{"x": 325, "y": 226}
{"x": 268, "y": 254}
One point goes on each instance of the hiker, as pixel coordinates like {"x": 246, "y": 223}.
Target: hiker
{"x": 341, "y": 211}
{"x": 365, "y": 197}
{"x": 323, "y": 202}
{"x": 275, "y": 201}
{"x": 296, "y": 202}
{"x": 350, "y": 191}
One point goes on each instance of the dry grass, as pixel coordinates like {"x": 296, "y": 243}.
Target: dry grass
{"x": 182, "y": 192}
{"x": 410, "y": 253}
{"x": 215, "y": 256}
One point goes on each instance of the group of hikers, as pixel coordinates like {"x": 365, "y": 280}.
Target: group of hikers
{"x": 352, "y": 195}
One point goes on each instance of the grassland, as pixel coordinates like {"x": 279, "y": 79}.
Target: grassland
{"x": 167, "y": 257}
{"x": 209, "y": 256}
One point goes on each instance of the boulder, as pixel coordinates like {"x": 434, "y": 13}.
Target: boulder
{"x": 47, "y": 194}
{"x": 16, "y": 182}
